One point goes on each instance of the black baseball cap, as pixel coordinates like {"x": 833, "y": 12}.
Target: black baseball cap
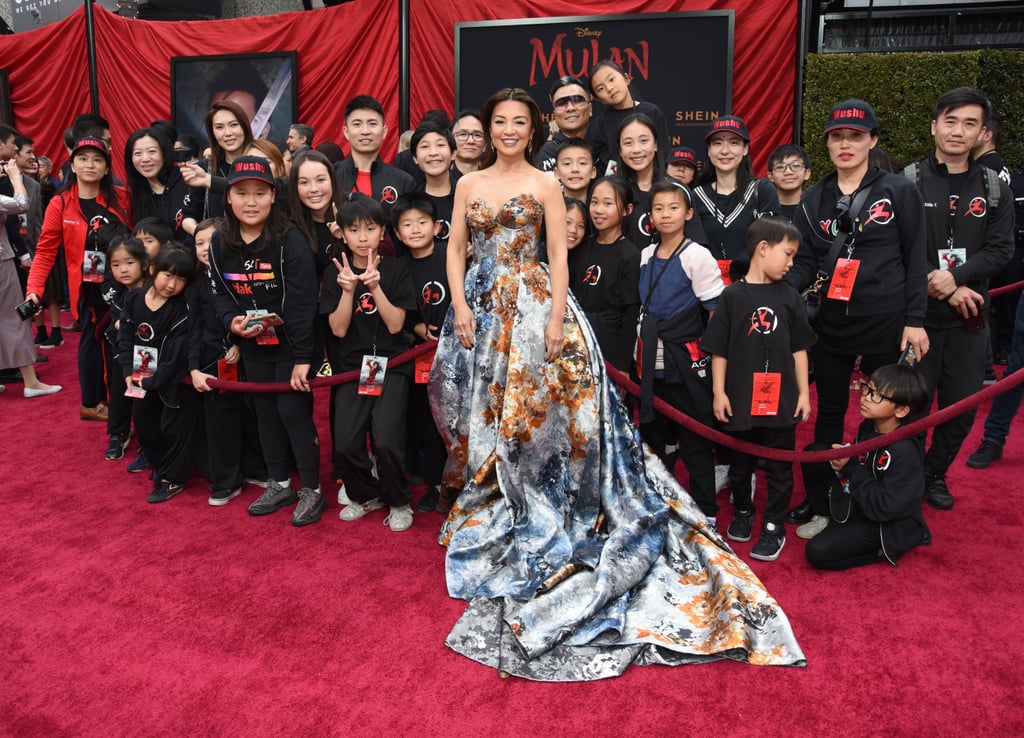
{"x": 91, "y": 142}
{"x": 855, "y": 114}
{"x": 250, "y": 167}
{"x": 682, "y": 155}
{"x": 730, "y": 123}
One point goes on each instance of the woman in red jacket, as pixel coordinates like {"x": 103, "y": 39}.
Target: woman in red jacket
{"x": 88, "y": 202}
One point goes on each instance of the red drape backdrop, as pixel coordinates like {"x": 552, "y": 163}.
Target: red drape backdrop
{"x": 348, "y": 50}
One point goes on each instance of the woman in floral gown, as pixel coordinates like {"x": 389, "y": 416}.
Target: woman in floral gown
{"x": 579, "y": 552}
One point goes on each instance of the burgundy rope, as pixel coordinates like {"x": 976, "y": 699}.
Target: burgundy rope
{"x": 996, "y": 291}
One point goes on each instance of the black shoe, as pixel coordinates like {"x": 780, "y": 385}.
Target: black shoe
{"x": 428, "y": 503}
{"x": 118, "y": 443}
{"x": 273, "y": 499}
{"x": 800, "y": 514}
{"x": 55, "y": 339}
{"x": 937, "y": 494}
{"x": 163, "y": 491}
{"x": 221, "y": 497}
{"x": 1002, "y": 358}
{"x": 771, "y": 542}
{"x": 310, "y": 508}
{"x": 987, "y": 452}
{"x": 9, "y": 376}
{"x": 741, "y": 525}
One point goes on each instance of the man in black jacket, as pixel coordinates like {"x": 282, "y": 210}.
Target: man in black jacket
{"x": 969, "y": 217}
{"x": 571, "y": 111}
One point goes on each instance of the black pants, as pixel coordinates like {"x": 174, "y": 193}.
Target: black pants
{"x": 285, "y": 421}
{"x": 696, "y": 451}
{"x": 119, "y": 417}
{"x": 818, "y": 479}
{"x": 778, "y": 473}
{"x": 384, "y": 419}
{"x": 425, "y": 453}
{"x": 165, "y": 433}
{"x": 232, "y": 441}
{"x": 953, "y": 368}
{"x": 832, "y": 374}
{"x": 90, "y": 357}
{"x": 857, "y": 542}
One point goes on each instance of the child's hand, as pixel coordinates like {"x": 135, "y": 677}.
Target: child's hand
{"x": 347, "y": 279}
{"x": 803, "y": 406}
{"x": 838, "y": 464}
{"x": 371, "y": 277}
{"x": 299, "y": 380}
{"x": 232, "y": 355}
{"x": 431, "y": 332}
{"x": 240, "y": 327}
{"x": 722, "y": 407}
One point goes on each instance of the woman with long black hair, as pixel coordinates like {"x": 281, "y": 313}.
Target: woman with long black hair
{"x": 156, "y": 185}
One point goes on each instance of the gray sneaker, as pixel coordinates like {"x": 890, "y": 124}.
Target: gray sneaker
{"x": 273, "y": 499}
{"x": 399, "y": 518}
{"x": 311, "y": 506}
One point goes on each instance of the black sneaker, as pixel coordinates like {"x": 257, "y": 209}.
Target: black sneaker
{"x": 163, "y": 491}
{"x": 220, "y": 497}
{"x": 40, "y": 337}
{"x": 987, "y": 452}
{"x": 118, "y": 443}
{"x": 273, "y": 499}
{"x": 53, "y": 341}
{"x": 741, "y": 525}
{"x": 140, "y": 464}
{"x": 428, "y": 503}
{"x": 310, "y": 508}
{"x": 937, "y": 494}
{"x": 771, "y": 542}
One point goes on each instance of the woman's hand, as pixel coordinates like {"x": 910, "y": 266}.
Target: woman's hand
{"x": 199, "y": 380}
{"x": 194, "y": 175}
{"x": 465, "y": 326}
{"x": 554, "y": 338}
{"x": 11, "y": 167}
{"x": 299, "y": 381}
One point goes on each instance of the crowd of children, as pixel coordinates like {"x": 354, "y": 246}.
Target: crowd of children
{"x": 689, "y": 282}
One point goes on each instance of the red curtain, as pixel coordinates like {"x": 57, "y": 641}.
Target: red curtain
{"x": 349, "y": 50}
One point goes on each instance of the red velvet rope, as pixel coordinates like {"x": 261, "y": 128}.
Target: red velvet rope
{"x": 995, "y": 292}
{"x": 627, "y": 385}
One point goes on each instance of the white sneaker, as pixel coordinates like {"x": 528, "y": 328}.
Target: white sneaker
{"x": 343, "y": 496}
{"x": 813, "y": 527}
{"x": 400, "y": 518}
{"x": 355, "y": 510}
{"x": 261, "y": 483}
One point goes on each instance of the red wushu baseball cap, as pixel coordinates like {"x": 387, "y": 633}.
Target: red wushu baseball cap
{"x": 91, "y": 142}
{"x": 250, "y": 167}
{"x": 682, "y": 155}
{"x": 854, "y": 114}
{"x": 729, "y": 123}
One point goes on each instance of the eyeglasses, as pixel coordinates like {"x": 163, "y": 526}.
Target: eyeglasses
{"x": 467, "y": 135}
{"x": 574, "y": 100}
{"x": 794, "y": 166}
{"x": 873, "y": 394}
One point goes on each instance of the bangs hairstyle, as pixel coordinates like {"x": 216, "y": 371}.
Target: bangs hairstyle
{"x": 903, "y": 385}
{"x": 301, "y": 215}
{"x": 217, "y": 154}
{"x": 133, "y": 247}
{"x": 772, "y": 229}
{"x": 624, "y": 197}
{"x": 781, "y": 153}
{"x": 108, "y": 233}
{"x": 426, "y": 127}
{"x": 214, "y": 223}
{"x": 175, "y": 259}
{"x": 154, "y": 227}
{"x": 137, "y": 184}
{"x": 412, "y": 201}
{"x": 608, "y": 63}
{"x": 659, "y": 156}
{"x": 359, "y": 208}
{"x": 571, "y": 203}
{"x": 671, "y": 185}
{"x": 514, "y": 94}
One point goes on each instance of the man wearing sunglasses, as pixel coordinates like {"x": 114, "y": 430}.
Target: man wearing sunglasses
{"x": 571, "y": 111}
{"x": 969, "y": 219}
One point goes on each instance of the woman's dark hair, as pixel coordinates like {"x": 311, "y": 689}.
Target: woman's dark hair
{"x": 139, "y": 186}
{"x": 624, "y": 196}
{"x": 301, "y": 215}
{"x": 571, "y": 203}
{"x": 217, "y": 154}
{"x": 658, "y": 172}
{"x": 135, "y": 249}
{"x": 903, "y": 385}
{"x": 879, "y": 157}
{"x": 175, "y": 259}
{"x": 274, "y": 227}
{"x": 744, "y": 174}
{"x": 516, "y": 94}
{"x": 357, "y": 207}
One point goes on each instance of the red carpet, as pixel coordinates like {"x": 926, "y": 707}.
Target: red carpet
{"x": 122, "y": 618}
